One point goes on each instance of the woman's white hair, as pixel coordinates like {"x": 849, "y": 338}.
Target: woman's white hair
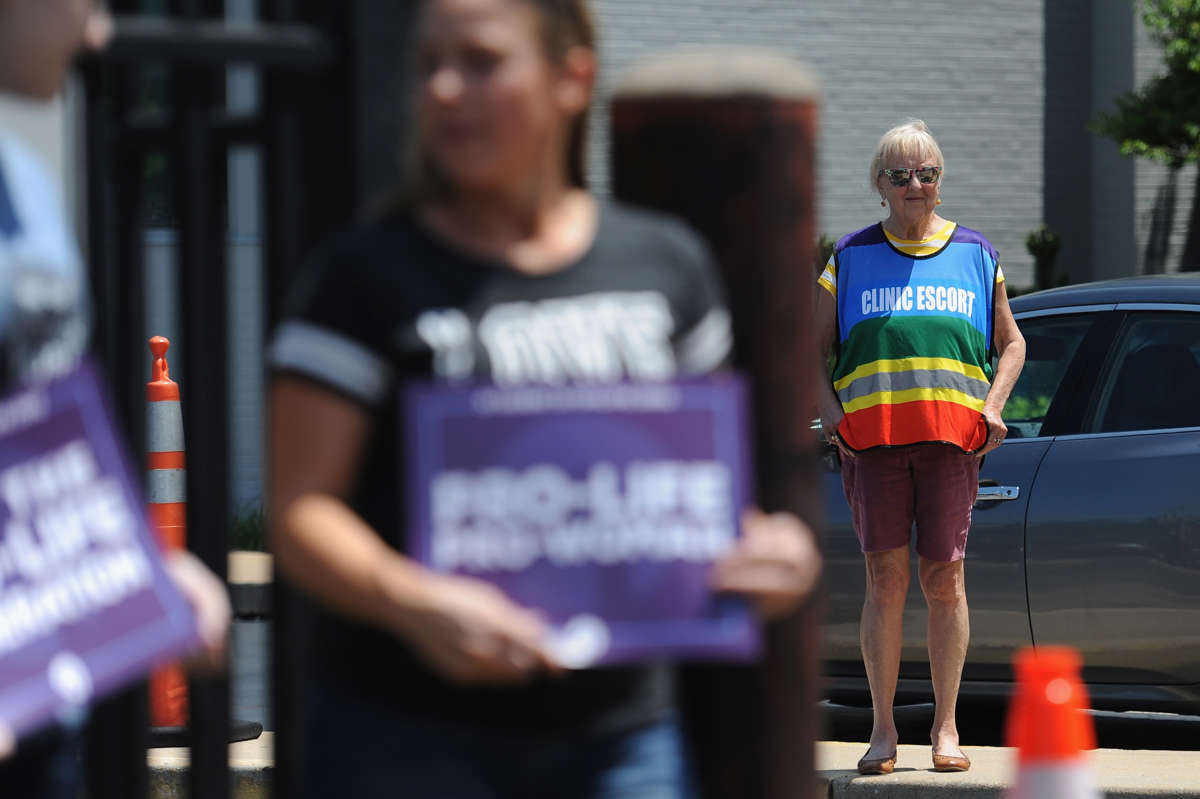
{"x": 908, "y": 139}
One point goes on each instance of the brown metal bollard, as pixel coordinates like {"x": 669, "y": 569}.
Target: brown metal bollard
{"x": 725, "y": 138}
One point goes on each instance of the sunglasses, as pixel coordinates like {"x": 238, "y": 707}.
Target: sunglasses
{"x": 901, "y": 175}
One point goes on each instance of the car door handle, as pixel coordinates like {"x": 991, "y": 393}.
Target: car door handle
{"x": 994, "y": 493}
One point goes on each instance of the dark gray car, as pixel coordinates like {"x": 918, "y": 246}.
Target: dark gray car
{"x": 1087, "y": 526}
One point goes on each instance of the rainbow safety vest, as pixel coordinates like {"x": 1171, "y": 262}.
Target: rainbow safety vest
{"x": 914, "y": 338}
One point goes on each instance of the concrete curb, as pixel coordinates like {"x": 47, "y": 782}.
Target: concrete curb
{"x": 1120, "y": 774}
{"x": 250, "y": 584}
{"x": 251, "y": 764}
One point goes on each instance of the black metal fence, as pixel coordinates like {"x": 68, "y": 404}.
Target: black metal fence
{"x": 327, "y": 124}
{"x": 159, "y": 130}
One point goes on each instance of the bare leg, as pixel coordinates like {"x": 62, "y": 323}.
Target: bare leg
{"x": 881, "y": 635}
{"x": 949, "y": 631}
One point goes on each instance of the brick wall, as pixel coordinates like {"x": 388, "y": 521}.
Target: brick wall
{"x": 973, "y": 72}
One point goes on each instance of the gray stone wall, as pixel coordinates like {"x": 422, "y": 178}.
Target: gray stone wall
{"x": 973, "y": 72}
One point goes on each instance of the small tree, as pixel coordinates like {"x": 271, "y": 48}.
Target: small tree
{"x": 1043, "y": 245}
{"x": 1160, "y": 120}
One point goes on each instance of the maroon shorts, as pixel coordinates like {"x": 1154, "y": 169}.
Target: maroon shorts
{"x": 933, "y": 485}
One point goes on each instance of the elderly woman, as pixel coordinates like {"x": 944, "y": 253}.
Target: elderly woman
{"x": 914, "y": 308}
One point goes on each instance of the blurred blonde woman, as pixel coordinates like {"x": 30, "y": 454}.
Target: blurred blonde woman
{"x": 443, "y": 680}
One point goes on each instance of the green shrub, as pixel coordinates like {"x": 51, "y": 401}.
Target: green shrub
{"x": 1043, "y": 244}
{"x": 249, "y": 529}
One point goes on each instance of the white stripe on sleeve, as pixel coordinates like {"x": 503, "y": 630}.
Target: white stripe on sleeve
{"x": 331, "y": 358}
{"x": 707, "y": 345}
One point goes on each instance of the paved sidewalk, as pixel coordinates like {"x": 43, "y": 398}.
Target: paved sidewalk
{"x": 1120, "y": 774}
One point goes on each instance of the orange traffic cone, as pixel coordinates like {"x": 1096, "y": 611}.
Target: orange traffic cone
{"x": 1049, "y": 728}
{"x": 166, "y": 479}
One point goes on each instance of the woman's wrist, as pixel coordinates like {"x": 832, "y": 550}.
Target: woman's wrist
{"x": 827, "y": 404}
{"x": 405, "y": 588}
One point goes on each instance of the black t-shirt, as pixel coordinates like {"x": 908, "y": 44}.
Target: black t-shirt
{"x": 390, "y": 302}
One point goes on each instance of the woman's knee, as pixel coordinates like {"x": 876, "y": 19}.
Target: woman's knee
{"x": 888, "y": 576}
{"x": 943, "y": 583}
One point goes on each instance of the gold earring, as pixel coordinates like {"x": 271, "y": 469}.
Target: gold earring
{"x": 939, "y": 201}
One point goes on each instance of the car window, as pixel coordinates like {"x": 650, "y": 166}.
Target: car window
{"x": 1050, "y": 345}
{"x": 1152, "y": 380}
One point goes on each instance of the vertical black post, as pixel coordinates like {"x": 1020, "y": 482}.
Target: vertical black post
{"x": 382, "y": 114}
{"x": 726, "y": 139}
{"x": 131, "y": 371}
{"x": 114, "y": 192}
{"x": 199, "y": 186}
{"x": 283, "y": 154}
{"x": 310, "y": 192}
{"x": 99, "y": 86}
{"x": 115, "y": 750}
{"x": 284, "y": 218}
{"x": 284, "y": 215}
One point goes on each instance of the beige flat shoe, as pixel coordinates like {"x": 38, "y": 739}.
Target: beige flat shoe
{"x": 950, "y": 763}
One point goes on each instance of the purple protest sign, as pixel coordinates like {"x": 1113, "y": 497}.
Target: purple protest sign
{"x": 602, "y": 506}
{"x": 85, "y": 606}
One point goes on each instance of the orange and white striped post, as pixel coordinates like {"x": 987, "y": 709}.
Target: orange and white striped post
{"x": 166, "y": 480}
{"x": 166, "y": 471}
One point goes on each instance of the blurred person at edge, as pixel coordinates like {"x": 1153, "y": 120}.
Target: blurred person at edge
{"x": 443, "y": 678}
{"x": 914, "y": 307}
{"x": 44, "y": 326}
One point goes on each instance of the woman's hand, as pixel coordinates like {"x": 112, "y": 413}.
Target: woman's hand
{"x": 775, "y": 563}
{"x": 8, "y": 742}
{"x": 469, "y": 631}
{"x": 1010, "y": 346}
{"x": 831, "y": 416}
{"x": 828, "y": 404}
{"x": 997, "y": 430}
{"x": 209, "y": 600}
